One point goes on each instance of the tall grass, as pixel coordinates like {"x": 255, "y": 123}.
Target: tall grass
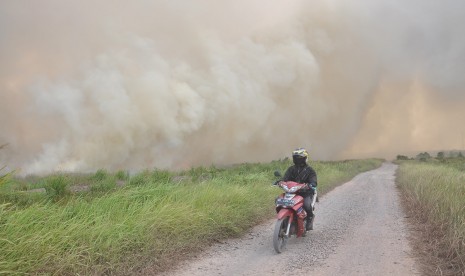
{"x": 438, "y": 192}
{"x": 158, "y": 215}
{"x": 4, "y": 177}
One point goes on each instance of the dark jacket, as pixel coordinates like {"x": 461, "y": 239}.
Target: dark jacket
{"x": 302, "y": 174}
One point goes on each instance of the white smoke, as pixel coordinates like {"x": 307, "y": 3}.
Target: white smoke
{"x": 123, "y": 85}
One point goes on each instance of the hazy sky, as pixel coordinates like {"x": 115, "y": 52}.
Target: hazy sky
{"x": 173, "y": 84}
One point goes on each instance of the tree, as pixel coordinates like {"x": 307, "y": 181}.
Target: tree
{"x": 440, "y": 155}
{"x": 402, "y": 157}
{"x": 423, "y": 156}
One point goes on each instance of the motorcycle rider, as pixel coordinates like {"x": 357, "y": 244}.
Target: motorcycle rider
{"x": 302, "y": 173}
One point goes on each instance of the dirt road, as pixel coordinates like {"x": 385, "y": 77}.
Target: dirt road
{"x": 359, "y": 230}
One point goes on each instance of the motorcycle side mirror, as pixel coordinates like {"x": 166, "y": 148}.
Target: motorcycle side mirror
{"x": 277, "y": 174}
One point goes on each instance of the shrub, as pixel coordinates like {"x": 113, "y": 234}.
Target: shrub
{"x": 162, "y": 176}
{"x": 57, "y": 187}
{"x": 104, "y": 185}
{"x": 122, "y": 175}
{"x": 100, "y": 175}
{"x": 139, "y": 179}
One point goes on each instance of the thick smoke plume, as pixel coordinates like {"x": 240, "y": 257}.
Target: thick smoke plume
{"x": 173, "y": 84}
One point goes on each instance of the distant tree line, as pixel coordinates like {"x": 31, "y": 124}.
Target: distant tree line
{"x": 423, "y": 156}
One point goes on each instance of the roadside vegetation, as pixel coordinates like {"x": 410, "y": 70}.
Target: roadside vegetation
{"x": 3, "y": 177}
{"x": 434, "y": 189}
{"x": 116, "y": 223}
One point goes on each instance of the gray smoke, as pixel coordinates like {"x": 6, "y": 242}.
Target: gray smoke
{"x": 174, "y": 84}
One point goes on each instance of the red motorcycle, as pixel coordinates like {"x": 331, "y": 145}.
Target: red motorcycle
{"x": 291, "y": 217}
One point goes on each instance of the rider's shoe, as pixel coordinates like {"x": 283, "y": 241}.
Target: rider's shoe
{"x": 309, "y": 225}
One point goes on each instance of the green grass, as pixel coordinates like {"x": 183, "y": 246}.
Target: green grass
{"x": 157, "y": 215}
{"x": 437, "y": 189}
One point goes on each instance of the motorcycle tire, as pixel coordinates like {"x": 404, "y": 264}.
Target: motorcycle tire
{"x": 279, "y": 236}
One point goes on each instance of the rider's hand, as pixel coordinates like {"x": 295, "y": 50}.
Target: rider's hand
{"x": 311, "y": 187}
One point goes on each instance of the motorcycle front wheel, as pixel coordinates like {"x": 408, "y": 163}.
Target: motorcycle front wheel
{"x": 279, "y": 236}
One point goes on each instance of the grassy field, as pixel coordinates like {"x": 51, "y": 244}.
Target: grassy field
{"x": 113, "y": 223}
{"x": 436, "y": 191}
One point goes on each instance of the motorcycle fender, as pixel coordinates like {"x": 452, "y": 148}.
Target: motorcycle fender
{"x": 284, "y": 213}
{"x": 298, "y": 206}
{"x": 300, "y": 228}
{"x": 301, "y": 215}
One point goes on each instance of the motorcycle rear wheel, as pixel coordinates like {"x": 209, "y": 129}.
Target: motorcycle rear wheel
{"x": 279, "y": 236}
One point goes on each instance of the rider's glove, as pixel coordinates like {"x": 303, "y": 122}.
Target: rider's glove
{"x": 312, "y": 186}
